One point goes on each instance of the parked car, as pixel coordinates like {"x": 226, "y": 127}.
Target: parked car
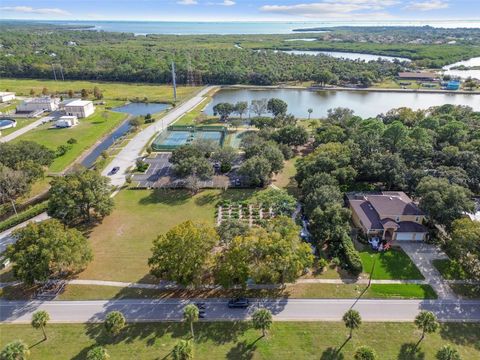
{"x": 115, "y": 170}
{"x": 240, "y": 303}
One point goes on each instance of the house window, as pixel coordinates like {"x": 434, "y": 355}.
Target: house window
{"x": 397, "y": 219}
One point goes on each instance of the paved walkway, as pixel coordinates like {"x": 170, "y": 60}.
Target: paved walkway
{"x": 217, "y": 310}
{"x": 128, "y": 155}
{"x": 25, "y": 129}
{"x": 422, "y": 255}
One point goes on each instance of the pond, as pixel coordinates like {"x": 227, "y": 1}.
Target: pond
{"x": 364, "y": 103}
{"x": 142, "y": 109}
{"x": 464, "y": 73}
{"x": 7, "y": 123}
{"x": 346, "y": 55}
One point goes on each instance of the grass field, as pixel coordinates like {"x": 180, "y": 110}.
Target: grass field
{"x": 393, "y": 264}
{"x": 123, "y": 241}
{"x": 87, "y": 132}
{"x": 110, "y": 90}
{"x": 236, "y": 341}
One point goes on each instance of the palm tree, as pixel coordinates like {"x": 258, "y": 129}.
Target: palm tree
{"x": 183, "y": 350}
{"x": 365, "y": 353}
{"x": 310, "y": 110}
{"x": 262, "y": 320}
{"x": 447, "y": 352}
{"x": 427, "y": 322}
{"x": 190, "y": 314}
{"x": 115, "y": 322}
{"x": 352, "y": 320}
{"x": 16, "y": 350}
{"x": 98, "y": 353}
{"x": 39, "y": 321}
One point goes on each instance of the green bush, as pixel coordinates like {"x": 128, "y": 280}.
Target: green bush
{"x": 351, "y": 257}
{"x": 23, "y": 216}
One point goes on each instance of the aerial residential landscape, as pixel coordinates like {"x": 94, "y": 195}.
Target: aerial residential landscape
{"x": 240, "y": 179}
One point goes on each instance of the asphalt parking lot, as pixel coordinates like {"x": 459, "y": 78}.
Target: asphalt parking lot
{"x": 160, "y": 175}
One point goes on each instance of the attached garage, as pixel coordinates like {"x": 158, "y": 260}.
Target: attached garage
{"x": 410, "y": 236}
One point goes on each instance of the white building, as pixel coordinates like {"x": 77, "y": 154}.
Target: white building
{"x": 38, "y": 104}
{"x": 66, "y": 121}
{"x": 79, "y": 108}
{"x": 6, "y": 96}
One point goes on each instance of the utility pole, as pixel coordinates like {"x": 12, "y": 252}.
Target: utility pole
{"x": 174, "y": 82}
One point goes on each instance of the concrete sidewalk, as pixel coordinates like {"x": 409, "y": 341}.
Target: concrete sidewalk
{"x": 6, "y": 236}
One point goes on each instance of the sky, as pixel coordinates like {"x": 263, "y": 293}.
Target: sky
{"x": 241, "y": 10}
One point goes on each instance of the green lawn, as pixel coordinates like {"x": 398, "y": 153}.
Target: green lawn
{"x": 123, "y": 241}
{"x": 393, "y": 264}
{"x": 87, "y": 133}
{"x": 450, "y": 270}
{"x": 236, "y": 341}
{"x": 111, "y": 90}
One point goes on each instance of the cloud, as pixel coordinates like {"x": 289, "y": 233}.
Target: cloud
{"x": 30, "y": 10}
{"x": 427, "y": 5}
{"x": 187, "y": 2}
{"x": 227, "y": 3}
{"x": 330, "y": 8}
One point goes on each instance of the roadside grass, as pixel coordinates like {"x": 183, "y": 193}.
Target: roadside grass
{"x": 238, "y": 340}
{"x": 122, "y": 242}
{"x": 297, "y": 291}
{"x": 21, "y": 122}
{"x": 450, "y": 270}
{"x": 390, "y": 265}
{"x": 110, "y": 90}
{"x": 466, "y": 291}
{"x": 87, "y": 132}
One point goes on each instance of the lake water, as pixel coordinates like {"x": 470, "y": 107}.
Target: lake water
{"x": 245, "y": 27}
{"x": 142, "y": 109}
{"x": 464, "y": 73}
{"x": 364, "y": 103}
{"x": 346, "y": 55}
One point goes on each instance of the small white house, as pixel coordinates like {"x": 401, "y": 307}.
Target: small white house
{"x": 6, "y": 96}
{"x": 66, "y": 121}
{"x": 45, "y": 103}
{"x": 79, "y": 108}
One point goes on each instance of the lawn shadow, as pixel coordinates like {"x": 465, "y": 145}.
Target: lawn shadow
{"x": 165, "y": 196}
{"x": 332, "y": 354}
{"x": 409, "y": 351}
{"x": 220, "y": 332}
{"x": 461, "y": 334}
{"x": 82, "y": 355}
{"x": 242, "y": 351}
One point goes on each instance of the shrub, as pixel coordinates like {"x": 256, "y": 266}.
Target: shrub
{"x": 71, "y": 141}
{"x": 322, "y": 263}
{"x": 352, "y": 261}
{"x": 23, "y": 216}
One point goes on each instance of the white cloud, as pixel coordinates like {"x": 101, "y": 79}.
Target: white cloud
{"x": 330, "y": 8}
{"x": 187, "y": 2}
{"x": 30, "y": 10}
{"x": 427, "y": 5}
{"x": 228, "y": 3}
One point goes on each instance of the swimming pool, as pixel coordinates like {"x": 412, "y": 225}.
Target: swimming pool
{"x": 7, "y": 123}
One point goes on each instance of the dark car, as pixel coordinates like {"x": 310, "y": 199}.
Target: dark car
{"x": 115, "y": 170}
{"x": 241, "y": 303}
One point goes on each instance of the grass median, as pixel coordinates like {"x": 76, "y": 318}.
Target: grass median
{"x": 237, "y": 340}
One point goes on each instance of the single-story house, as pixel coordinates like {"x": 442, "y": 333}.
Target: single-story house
{"x": 6, "y": 96}
{"x": 66, "y": 121}
{"x": 45, "y": 103}
{"x": 78, "y": 108}
{"x": 389, "y": 215}
{"x": 419, "y": 76}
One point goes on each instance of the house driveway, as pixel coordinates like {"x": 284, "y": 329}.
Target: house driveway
{"x": 422, "y": 255}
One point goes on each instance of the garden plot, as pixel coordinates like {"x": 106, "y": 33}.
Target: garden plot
{"x": 251, "y": 214}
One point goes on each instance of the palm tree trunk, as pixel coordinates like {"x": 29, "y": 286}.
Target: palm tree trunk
{"x": 351, "y": 333}
{"x": 191, "y": 329}
{"x": 44, "y": 333}
{"x": 419, "y": 341}
{"x": 263, "y": 332}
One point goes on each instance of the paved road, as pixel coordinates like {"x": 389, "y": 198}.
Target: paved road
{"x": 27, "y": 128}
{"x": 129, "y": 154}
{"x": 216, "y": 310}
{"x": 6, "y": 236}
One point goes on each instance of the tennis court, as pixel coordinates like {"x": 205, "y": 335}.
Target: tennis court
{"x": 177, "y": 138}
{"x": 173, "y": 138}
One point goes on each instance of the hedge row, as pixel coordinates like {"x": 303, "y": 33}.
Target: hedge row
{"x": 351, "y": 257}
{"x": 23, "y": 216}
